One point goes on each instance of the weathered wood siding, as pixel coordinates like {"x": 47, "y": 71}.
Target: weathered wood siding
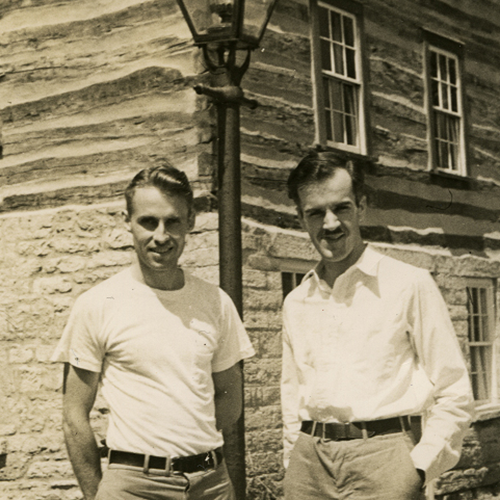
{"x": 91, "y": 93}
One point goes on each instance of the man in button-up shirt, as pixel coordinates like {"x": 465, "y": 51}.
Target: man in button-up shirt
{"x": 367, "y": 343}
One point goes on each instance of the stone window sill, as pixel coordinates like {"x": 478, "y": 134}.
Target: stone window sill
{"x": 487, "y": 411}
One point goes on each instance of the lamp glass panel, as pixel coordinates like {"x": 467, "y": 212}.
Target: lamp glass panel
{"x": 211, "y": 17}
{"x": 255, "y": 17}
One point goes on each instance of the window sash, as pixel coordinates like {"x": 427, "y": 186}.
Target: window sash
{"x": 341, "y": 111}
{"x": 448, "y": 149}
{"x": 340, "y": 79}
{"x": 480, "y": 308}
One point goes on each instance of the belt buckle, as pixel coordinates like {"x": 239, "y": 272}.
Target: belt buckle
{"x": 167, "y": 471}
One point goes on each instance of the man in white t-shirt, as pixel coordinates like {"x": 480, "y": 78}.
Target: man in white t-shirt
{"x": 166, "y": 347}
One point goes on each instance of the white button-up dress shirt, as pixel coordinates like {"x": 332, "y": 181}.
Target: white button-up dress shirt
{"x": 379, "y": 344}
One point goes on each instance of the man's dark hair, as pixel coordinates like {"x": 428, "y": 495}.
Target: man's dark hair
{"x": 318, "y": 166}
{"x": 166, "y": 178}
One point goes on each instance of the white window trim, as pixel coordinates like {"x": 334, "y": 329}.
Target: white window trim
{"x": 317, "y": 82}
{"x": 462, "y": 156}
{"x": 490, "y": 408}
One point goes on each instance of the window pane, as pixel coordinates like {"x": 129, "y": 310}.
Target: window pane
{"x": 443, "y": 154}
{"x": 324, "y": 27}
{"x": 454, "y": 99}
{"x": 348, "y": 32}
{"x": 435, "y": 93}
{"x": 336, "y": 26}
{"x": 438, "y": 125}
{"x": 484, "y": 312}
{"x": 336, "y": 95}
{"x": 444, "y": 96}
{"x": 350, "y": 127}
{"x": 328, "y": 120}
{"x": 338, "y": 55}
{"x": 351, "y": 63}
{"x": 326, "y": 61}
{"x": 338, "y": 127}
{"x": 286, "y": 283}
{"x": 453, "y": 71}
{"x": 326, "y": 92}
{"x": 443, "y": 72}
{"x": 433, "y": 64}
{"x": 349, "y": 100}
{"x": 453, "y": 138}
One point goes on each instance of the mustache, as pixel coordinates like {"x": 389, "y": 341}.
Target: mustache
{"x": 336, "y": 232}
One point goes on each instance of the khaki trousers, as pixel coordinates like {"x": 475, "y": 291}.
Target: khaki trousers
{"x": 130, "y": 483}
{"x": 376, "y": 468}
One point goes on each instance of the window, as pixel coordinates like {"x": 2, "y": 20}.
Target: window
{"x": 481, "y": 326}
{"x": 445, "y": 105}
{"x": 289, "y": 281}
{"x": 338, "y": 75}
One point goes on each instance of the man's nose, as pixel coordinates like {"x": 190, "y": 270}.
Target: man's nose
{"x": 161, "y": 234}
{"x": 330, "y": 221}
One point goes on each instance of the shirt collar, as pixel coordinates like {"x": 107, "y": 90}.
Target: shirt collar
{"x": 367, "y": 264}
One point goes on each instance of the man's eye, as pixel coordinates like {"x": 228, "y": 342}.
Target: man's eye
{"x": 316, "y": 213}
{"x": 149, "y": 223}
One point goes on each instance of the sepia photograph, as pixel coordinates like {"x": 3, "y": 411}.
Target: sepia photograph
{"x": 249, "y": 249}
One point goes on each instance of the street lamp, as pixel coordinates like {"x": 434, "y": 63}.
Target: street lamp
{"x": 222, "y": 28}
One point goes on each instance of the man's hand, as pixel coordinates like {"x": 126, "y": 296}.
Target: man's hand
{"x": 79, "y": 392}
{"x": 416, "y": 486}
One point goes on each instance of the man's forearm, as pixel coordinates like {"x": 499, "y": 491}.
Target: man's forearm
{"x": 85, "y": 459}
{"x": 227, "y": 410}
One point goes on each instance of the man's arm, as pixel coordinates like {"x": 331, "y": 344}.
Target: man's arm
{"x": 228, "y": 396}
{"x": 289, "y": 395}
{"x": 438, "y": 351}
{"x": 79, "y": 392}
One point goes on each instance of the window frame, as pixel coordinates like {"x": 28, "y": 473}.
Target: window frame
{"x": 454, "y": 50}
{"x": 490, "y": 285}
{"x": 353, "y": 10}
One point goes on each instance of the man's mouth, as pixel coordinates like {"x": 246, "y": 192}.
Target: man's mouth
{"x": 333, "y": 236}
{"x": 161, "y": 251}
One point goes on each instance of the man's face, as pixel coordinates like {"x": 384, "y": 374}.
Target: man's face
{"x": 328, "y": 212}
{"x": 159, "y": 224}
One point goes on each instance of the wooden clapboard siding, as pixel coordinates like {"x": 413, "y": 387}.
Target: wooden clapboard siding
{"x": 92, "y": 92}
{"x": 277, "y": 133}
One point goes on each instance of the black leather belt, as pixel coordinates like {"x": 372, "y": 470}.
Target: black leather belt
{"x": 355, "y": 430}
{"x": 193, "y": 463}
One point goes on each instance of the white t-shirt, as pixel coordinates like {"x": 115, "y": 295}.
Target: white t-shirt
{"x": 156, "y": 351}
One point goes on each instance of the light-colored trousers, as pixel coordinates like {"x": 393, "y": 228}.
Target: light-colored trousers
{"x": 376, "y": 468}
{"x": 127, "y": 483}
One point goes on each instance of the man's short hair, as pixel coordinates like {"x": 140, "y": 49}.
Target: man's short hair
{"x": 318, "y": 166}
{"x": 166, "y": 178}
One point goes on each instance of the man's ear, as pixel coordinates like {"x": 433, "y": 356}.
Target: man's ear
{"x": 300, "y": 215}
{"x": 362, "y": 206}
{"x": 192, "y": 219}
{"x": 126, "y": 218}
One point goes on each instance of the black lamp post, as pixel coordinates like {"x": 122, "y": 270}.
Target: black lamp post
{"x": 222, "y": 28}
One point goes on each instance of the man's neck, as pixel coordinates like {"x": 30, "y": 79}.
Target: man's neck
{"x": 330, "y": 271}
{"x": 162, "y": 280}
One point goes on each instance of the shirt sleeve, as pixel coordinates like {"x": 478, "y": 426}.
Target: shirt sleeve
{"x": 289, "y": 395}
{"x": 436, "y": 344}
{"x": 234, "y": 344}
{"x": 79, "y": 343}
